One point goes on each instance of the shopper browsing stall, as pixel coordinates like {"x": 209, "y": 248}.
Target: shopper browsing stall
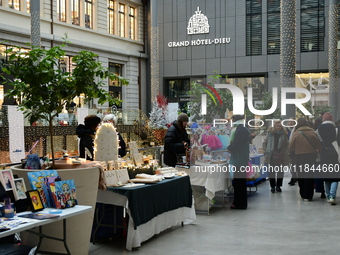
{"x": 239, "y": 150}
{"x": 86, "y": 133}
{"x": 176, "y": 140}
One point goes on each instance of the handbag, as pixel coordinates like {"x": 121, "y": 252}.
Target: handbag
{"x": 277, "y": 157}
{"x": 329, "y": 150}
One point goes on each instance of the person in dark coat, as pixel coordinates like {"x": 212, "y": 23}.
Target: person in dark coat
{"x": 110, "y": 118}
{"x": 276, "y": 141}
{"x": 239, "y": 150}
{"x": 304, "y": 145}
{"x": 86, "y": 133}
{"x": 318, "y": 181}
{"x": 176, "y": 140}
{"x": 327, "y": 134}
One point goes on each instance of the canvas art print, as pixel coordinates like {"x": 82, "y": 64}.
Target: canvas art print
{"x": 7, "y": 179}
{"x": 66, "y": 193}
{"x": 37, "y": 182}
{"x": 19, "y": 189}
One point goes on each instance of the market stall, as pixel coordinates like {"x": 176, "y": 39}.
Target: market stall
{"x": 152, "y": 208}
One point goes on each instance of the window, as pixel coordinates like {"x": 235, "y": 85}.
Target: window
{"x": 253, "y": 27}
{"x": 61, "y": 10}
{"x": 312, "y": 25}
{"x": 273, "y": 27}
{"x": 66, "y": 64}
{"x": 88, "y": 13}
{"x": 121, "y": 20}
{"x": 258, "y": 84}
{"x": 111, "y": 17}
{"x": 132, "y": 20}
{"x": 75, "y": 12}
{"x": 2, "y": 54}
{"x": 177, "y": 90}
{"x": 28, "y": 6}
{"x": 115, "y": 88}
{"x": 14, "y": 4}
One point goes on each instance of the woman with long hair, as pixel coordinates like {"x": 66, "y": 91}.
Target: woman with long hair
{"x": 275, "y": 147}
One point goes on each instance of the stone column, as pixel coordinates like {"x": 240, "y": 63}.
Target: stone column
{"x": 333, "y": 59}
{"x": 288, "y": 49}
{"x": 154, "y": 49}
{"x": 35, "y": 23}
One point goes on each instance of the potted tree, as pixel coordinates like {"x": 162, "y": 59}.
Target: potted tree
{"x": 43, "y": 90}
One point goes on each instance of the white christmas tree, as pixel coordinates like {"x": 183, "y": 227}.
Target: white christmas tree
{"x": 159, "y": 113}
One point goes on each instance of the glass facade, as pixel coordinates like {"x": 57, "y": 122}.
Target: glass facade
{"x": 177, "y": 89}
{"x": 312, "y": 25}
{"x": 253, "y": 27}
{"x": 273, "y": 27}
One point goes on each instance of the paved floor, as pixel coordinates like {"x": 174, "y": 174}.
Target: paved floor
{"x": 280, "y": 223}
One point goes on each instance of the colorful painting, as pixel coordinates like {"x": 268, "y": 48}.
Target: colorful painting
{"x": 66, "y": 193}
{"x": 37, "y": 182}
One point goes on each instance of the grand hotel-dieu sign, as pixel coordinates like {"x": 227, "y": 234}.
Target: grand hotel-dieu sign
{"x": 198, "y": 24}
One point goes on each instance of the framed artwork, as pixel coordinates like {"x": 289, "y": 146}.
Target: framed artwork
{"x": 66, "y": 193}
{"x": 35, "y": 199}
{"x": 6, "y": 177}
{"x": 19, "y": 188}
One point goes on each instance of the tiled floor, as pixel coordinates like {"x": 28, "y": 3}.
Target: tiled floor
{"x": 280, "y": 223}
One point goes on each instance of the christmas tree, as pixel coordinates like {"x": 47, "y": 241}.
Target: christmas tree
{"x": 159, "y": 113}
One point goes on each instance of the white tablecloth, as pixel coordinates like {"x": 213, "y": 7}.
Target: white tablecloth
{"x": 206, "y": 180}
{"x": 213, "y": 177}
{"x": 135, "y": 237}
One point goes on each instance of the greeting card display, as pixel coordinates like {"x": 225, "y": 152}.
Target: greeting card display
{"x": 65, "y": 192}
{"x": 116, "y": 177}
{"x": 38, "y": 182}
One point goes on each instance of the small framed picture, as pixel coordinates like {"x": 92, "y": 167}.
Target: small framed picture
{"x": 35, "y": 199}
{"x": 6, "y": 177}
{"x": 19, "y": 188}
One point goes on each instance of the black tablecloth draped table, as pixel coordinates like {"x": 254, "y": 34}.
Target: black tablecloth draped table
{"x": 150, "y": 200}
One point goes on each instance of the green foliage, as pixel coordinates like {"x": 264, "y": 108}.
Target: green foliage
{"x": 321, "y": 109}
{"x": 267, "y": 102}
{"x": 42, "y": 89}
{"x": 308, "y": 106}
{"x": 213, "y": 106}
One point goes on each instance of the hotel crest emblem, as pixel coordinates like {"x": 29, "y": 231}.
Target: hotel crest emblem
{"x": 198, "y": 23}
